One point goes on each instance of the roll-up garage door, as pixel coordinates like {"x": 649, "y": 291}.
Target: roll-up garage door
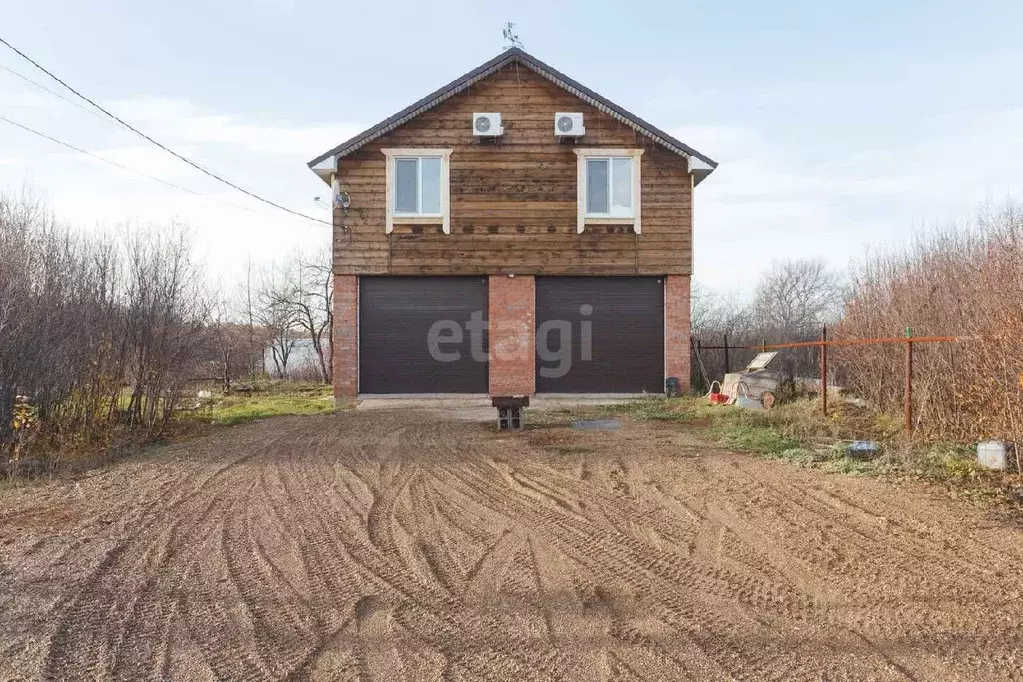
{"x": 600, "y": 334}
{"x": 422, "y": 335}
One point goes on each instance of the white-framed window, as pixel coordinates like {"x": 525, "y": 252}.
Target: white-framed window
{"x": 418, "y": 187}
{"x": 609, "y": 187}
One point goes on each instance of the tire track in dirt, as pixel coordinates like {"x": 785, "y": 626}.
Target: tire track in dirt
{"x": 396, "y": 545}
{"x": 123, "y": 605}
{"x": 589, "y": 550}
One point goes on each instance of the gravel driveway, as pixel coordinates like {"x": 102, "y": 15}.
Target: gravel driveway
{"x": 398, "y": 545}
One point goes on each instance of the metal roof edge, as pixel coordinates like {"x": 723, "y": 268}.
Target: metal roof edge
{"x": 515, "y": 54}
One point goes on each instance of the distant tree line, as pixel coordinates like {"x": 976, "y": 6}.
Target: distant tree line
{"x": 793, "y": 300}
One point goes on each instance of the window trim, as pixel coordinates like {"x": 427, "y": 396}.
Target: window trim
{"x": 395, "y": 218}
{"x": 584, "y": 218}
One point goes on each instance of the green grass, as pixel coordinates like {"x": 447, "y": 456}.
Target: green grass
{"x": 281, "y": 400}
{"x": 750, "y": 437}
{"x": 798, "y": 433}
{"x": 653, "y": 409}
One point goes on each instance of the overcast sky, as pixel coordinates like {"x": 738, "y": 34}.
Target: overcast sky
{"x": 838, "y": 126}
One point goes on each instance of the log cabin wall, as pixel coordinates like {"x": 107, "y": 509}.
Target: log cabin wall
{"x": 513, "y": 202}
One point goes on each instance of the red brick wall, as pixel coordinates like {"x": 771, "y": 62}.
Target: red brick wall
{"x": 512, "y": 335}
{"x": 346, "y": 338}
{"x": 676, "y": 328}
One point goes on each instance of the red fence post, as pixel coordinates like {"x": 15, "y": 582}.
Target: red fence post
{"x": 909, "y": 381}
{"x": 824, "y": 370}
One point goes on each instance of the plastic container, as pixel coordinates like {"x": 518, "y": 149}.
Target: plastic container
{"x": 863, "y": 449}
{"x": 993, "y": 454}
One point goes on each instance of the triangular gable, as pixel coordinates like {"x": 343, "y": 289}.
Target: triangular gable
{"x": 700, "y": 165}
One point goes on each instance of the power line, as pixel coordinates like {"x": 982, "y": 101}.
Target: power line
{"x": 112, "y": 163}
{"x": 94, "y": 156}
{"x": 170, "y": 151}
{"x": 53, "y": 92}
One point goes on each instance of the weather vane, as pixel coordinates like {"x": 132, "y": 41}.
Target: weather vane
{"x": 511, "y": 39}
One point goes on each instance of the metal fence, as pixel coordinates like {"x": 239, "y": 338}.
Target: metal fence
{"x": 824, "y": 343}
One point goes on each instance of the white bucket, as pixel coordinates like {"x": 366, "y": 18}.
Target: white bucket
{"x": 993, "y": 454}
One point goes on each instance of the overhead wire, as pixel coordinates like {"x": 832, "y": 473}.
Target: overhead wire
{"x": 109, "y": 161}
{"x": 56, "y": 94}
{"x": 149, "y": 139}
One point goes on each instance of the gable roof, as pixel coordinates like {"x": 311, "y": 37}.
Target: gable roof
{"x": 700, "y": 165}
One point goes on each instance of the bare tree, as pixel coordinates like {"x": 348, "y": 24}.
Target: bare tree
{"x": 278, "y": 316}
{"x": 716, "y": 318}
{"x": 306, "y": 288}
{"x": 250, "y": 319}
{"x": 791, "y": 302}
{"x": 795, "y": 297}
{"x": 320, "y": 277}
{"x": 220, "y": 326}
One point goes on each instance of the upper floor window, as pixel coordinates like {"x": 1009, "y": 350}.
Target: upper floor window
{"x": 609, "y": 187}
{"x": 417, "y": 187}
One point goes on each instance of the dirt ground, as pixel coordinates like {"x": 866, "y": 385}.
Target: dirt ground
{"x": 397, "y": 545}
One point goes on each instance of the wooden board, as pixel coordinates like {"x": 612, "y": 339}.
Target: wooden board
{"x": 513, "y": 204}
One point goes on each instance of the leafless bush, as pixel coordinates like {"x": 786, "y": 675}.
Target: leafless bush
{"x": 165, "y": 319}
{"x": 961, "y": 280}
{"x": 99, "y": 333}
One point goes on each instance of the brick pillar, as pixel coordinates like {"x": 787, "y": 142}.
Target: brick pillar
{"x": 346, "y": 339}
{"x": 512, "y": 335}
{"x": 676, "y": 328}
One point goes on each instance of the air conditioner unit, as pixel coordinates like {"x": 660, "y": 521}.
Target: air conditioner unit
{"x": 486, "y": 125}
{"x": 568, "y": 124}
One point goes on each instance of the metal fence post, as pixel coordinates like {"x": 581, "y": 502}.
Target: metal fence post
{"x": 909, "y": 381}
{"x": 726, "y": 353}
{"x": 824, "y": 370}
{"x": 699, "y": 360}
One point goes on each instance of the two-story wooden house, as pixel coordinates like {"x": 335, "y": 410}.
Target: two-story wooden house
{"x": 513, "y": 233}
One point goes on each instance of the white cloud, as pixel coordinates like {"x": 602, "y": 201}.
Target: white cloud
{"x": 717, "y": 141}
{"x": 768, "y": 201}
{"x": 184, "y": 120}
{"x": 22, "y": 100}
{"x": 146, "y": 159}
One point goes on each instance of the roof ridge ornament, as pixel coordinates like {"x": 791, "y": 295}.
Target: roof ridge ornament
{"x": 511, "y": 39}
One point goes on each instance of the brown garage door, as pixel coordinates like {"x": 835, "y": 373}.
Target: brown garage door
{"x": 422, "y": 335}
{"x": 599, "y": 335}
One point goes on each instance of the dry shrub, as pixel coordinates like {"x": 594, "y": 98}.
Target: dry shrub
{"x": 965, "y": 280}
{"x": 101, "y": 333}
